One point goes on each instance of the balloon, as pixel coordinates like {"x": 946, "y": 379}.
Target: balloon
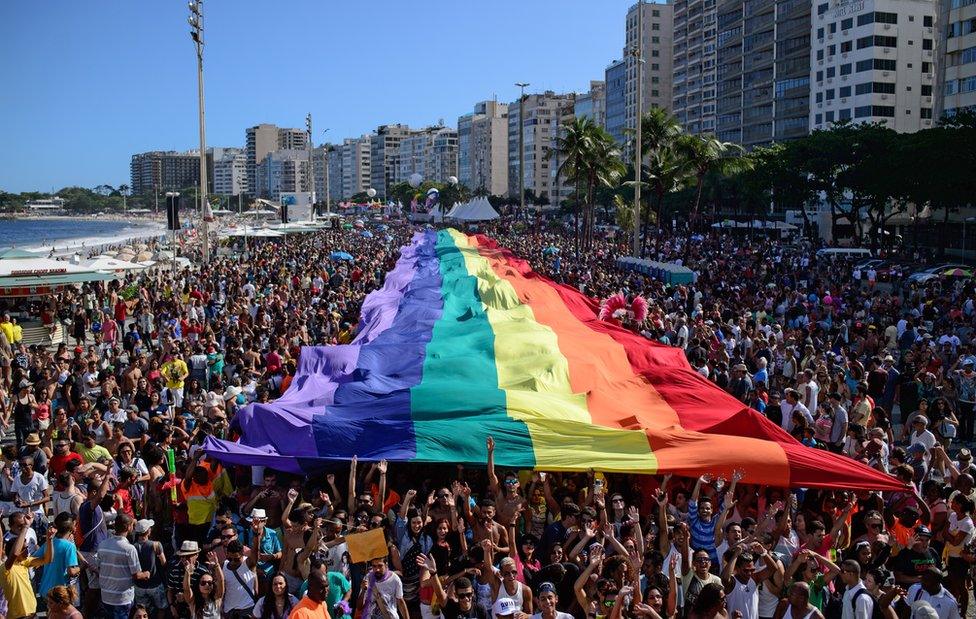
{"x": 452, "y": 180}
{"x": 371, "y": 192}
{"x": 432, "y": 190}
{"x": 415, "y": 180}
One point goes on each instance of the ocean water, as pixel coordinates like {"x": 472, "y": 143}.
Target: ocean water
{"x": 43, "y": 234}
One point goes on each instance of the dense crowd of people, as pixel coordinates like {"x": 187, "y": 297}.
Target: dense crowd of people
{"x": 111, "y": 508}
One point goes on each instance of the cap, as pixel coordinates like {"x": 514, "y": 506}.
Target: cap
{"x": 923, "y": 531}
{"x": 546, "y": 587}
{"x": 506, "y": 606}
{"x": 144, "y": 525}
{"x": 965, "y": 454}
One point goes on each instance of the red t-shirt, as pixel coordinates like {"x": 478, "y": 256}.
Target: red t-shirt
{"x": 57, "y": 464}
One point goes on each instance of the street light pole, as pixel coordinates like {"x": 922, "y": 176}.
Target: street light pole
{"x": 325, "y": 173}
{"x": 196, "y": 33}
{"x": 311, "y": 167}
{"x": 522, "y": 86}
{"x": 638, "y": 53}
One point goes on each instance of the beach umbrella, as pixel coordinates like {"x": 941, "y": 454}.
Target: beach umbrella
{"x": 366, "y": 234}
{"x": 958, "y": 273}
{"x": 347, "y": 226}
{"x": 382, "y": 227}
{"x": 341, "y": 255}
{"x": 550, "y": 250}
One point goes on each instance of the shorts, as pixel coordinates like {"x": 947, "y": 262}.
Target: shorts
{"x": 43, "y": 424}
{"x": 154, "y": 598}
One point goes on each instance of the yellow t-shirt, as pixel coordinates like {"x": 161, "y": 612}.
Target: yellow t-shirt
{"x": 17, "y": 588}
{"x": 92, "y": 455}
{"x": 172, "y": 370}
{"x": 8, "y": 330}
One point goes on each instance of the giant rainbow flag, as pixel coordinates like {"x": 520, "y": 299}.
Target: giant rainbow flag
{"x": 465, "y": 341}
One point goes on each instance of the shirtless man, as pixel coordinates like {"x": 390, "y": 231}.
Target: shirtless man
{"x": 508, "y": 502}
{"x": 270, "y": 498}
{"x": 295, "y": 524}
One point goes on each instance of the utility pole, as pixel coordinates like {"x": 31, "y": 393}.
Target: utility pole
{"x": 196, "y": 33}
{"x": 638, "y": 53}
{"x": 522, "y": 86}
{"x": 311, "y": 167}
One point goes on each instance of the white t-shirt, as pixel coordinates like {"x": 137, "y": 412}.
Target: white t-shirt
{"x": 32, "y": 490}
{"x": 235, "y": 597}
{"x": 942, "y": 602}
{"x": 744, "y": 597}
{"x": 864, "y": 603}
{"x": 559, "y": 615}
{"x": 391, "y": 590}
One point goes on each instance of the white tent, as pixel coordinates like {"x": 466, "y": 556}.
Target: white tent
{"x": 479, "y": 209}
{"x": 107, "y": 263}
{"x": 247, "y": 232}
{"x": 20, "y": 263}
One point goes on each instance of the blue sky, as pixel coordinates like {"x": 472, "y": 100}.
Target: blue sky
{"x": 83, "y": 85}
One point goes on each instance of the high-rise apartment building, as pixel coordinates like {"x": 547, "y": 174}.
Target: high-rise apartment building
{"x": 616, "y": 100}
{"x": 658, "y": 30}
{"x": 158, "y": 171}
{"x": 229, "y": 172}
{"x": 592, "y": 104}
{"x": 694, "y": 65}
{"x": 483, "y": 148}
{"x": 873, "y": 61}
{"x": 956, "y": 78}
{"x": 283, "y": 171}
{"x": 355, "y": 166}
{"x": 431, "y": 153}
{"x": 763, "y": 70}
{"x": 561, "y": 186}
{"x": 543, "y": 115}
{"x": 334, "y": 165}
{"x": 265, "y": 138}
{"x": 385, "y": 156}
{"x": 322, "y": 172}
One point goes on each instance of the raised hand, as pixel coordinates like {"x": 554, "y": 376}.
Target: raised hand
{"x": 409, "y": 496}
{"x": 737, "y": 475}
{"x": 673, "y": 563}
{"x": 211, "y": 558}
{"x": 330, "y": 478}
{"x": 382, "y": 466}
{"x": 325, "y": 498}
{"x": 633, "y": 513}
{"x": 490, "y": 444}
{"x": 292, "y": 495}
{"x": 427, "y": 561}
{"x": 706, "y": 478}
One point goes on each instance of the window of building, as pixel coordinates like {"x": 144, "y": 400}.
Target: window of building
{"x": 655, "y": 53}
{"x": 847, "y": 24}
{"x": 818, "y": 119}
{"x": 655, "y": 26}
{"x": 926, "y": 67}
{"x": 862, "y": 111}
{"x": 886, "y": 88}
{"x": 926, "y": 90}
{"x": 819, "y": 97}
{"x": 845, "y": 69}
{"x": 927, "y": 44}
{"x": 883, "y": 111}
{"x": 883, "y": 41}
{"x": 831, "y": 72}
{"x": 655, "y": 93}
{"x": 820, "y": 33}
{"x": 830, "y": 94}
{"x": 820, "y": 54}
{"x": 819, "y": 76}
{"x": 833, "y": 27}
{"x": 863, "y": 89}
{"x": 822, "y": 8}
{"x": 864, "y": 42}
{"x": 655, "y": 39}
{"x": 831, "y": 50}
{"x": 845, "y": 91}
{"x": 655, "y": 13}
{"x": 844, "y": 114}
{"x": 886, "y": 18}
{"x": 925, "y": 112}
{"x": 927, "y": 21}
{"x": 829, "y": 116}
{"x": 865, "y": 19}
{"x": 846, "y": 46}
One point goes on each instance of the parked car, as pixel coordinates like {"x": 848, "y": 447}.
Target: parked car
{"x": 933, "y": 272}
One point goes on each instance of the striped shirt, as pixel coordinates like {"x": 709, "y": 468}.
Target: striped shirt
{"x": 118, "y": 562}
{"x": 702, "y": 533}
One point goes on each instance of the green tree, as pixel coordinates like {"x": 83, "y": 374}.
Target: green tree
{"x": 574, "y": 145}
{"x": 665, "y": 169}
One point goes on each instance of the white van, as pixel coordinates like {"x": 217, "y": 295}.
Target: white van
{"x": 844, "y": 252}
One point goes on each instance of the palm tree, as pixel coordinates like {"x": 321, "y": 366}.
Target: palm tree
{"x": 574, "y": 147}
{"x": 603, "y": 168}
{"x": 704, "y": 154}
{"x": 660, "y": 132}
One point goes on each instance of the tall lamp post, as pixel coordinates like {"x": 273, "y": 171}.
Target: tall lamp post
{"x": 325, "y": 174}
{"x": 522, "y": 86}
{"x": 196, "y": 33}
{"x": 311, "y": 166}
{"x": 638, "y": 53}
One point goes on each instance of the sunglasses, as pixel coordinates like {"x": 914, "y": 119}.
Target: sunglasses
{"x": 466, "y": 595}
{"x": 511, "y": 482}
{"x": 206, "y": 583}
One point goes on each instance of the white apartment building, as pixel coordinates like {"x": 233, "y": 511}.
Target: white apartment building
{"x": 483, "y": 148}
{"x": 283, "y": 171}
{"x": 592, "y": 104}
{"x": 957, "y": 44}
{"x": 230, "y": 172}
{"x": 385, "y": 156}
{"x": 265, "y": 138}
{"x": 873, "y": 61}
{"x": 658, "y": 31}
{"x": 543, "y": 115}
{"x": 321, "y": 171}
{"x": 334, "y": 165}
{"x": 355, "y": 166}
{"x": 431, "y": 153}
{"x": 694, "y": 65}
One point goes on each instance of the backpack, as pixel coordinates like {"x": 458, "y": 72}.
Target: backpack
{"x": 876, "y": 607}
